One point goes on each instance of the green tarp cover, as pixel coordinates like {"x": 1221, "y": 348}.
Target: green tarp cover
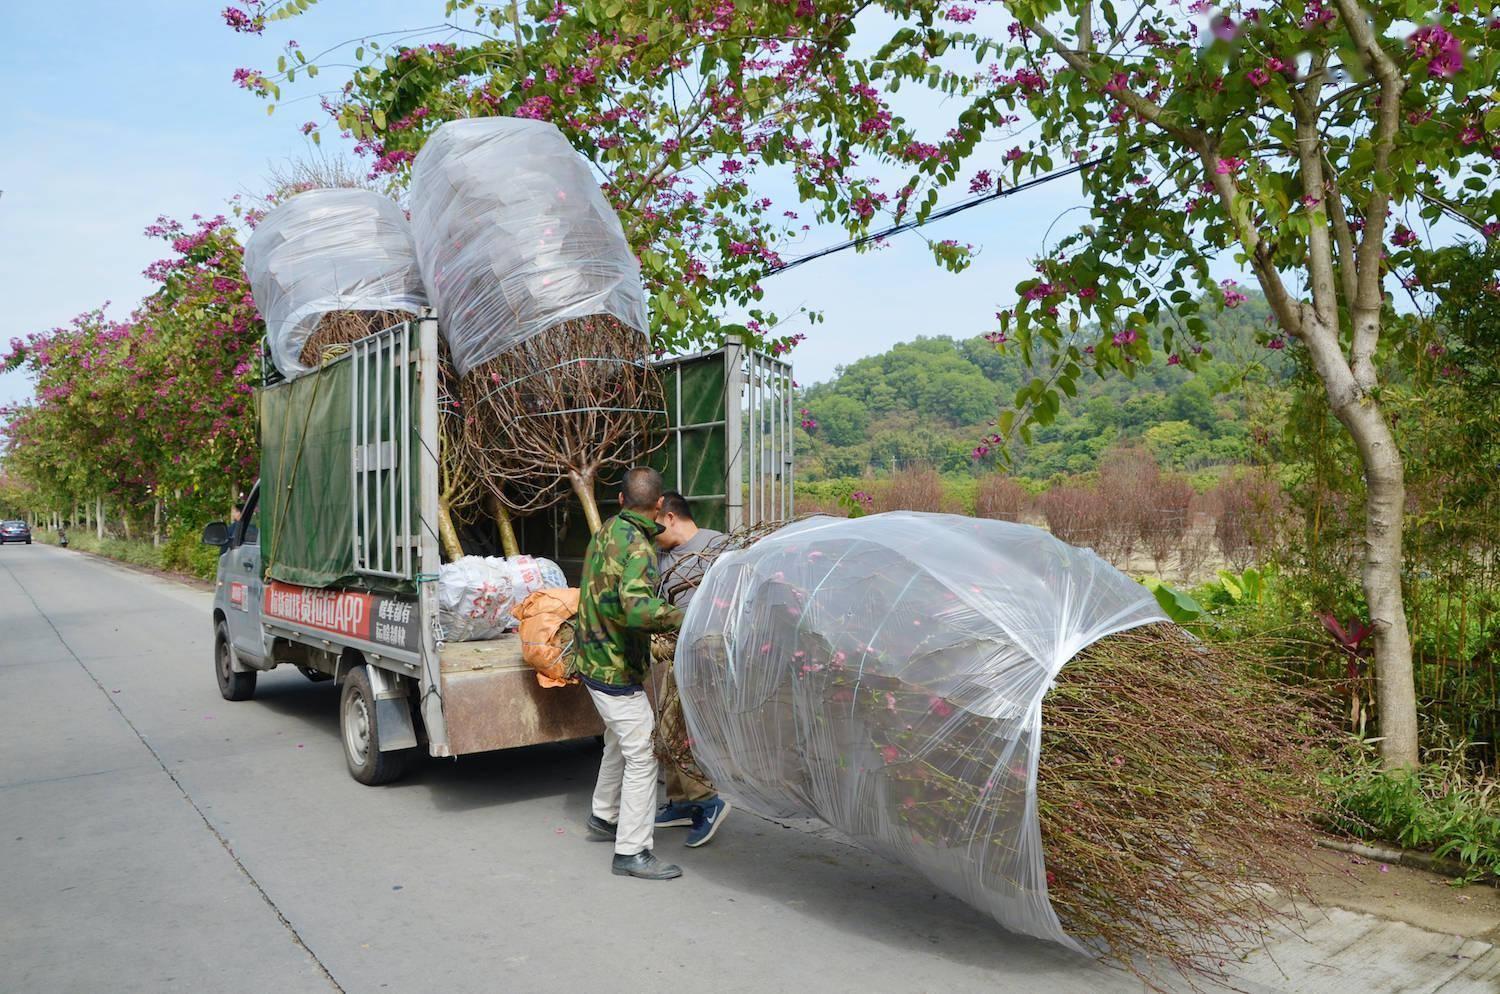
{"x": 699, "y": 433}
{"x": 306, "y": 484}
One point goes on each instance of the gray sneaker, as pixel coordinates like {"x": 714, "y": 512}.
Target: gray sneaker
{"x": 645, "y": 865}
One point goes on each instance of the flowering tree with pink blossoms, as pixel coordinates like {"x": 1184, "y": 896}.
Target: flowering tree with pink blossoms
{"x": 158, "y": 408}
{"x": 1324, "y": 145}
{"x": 1318, "y": 143}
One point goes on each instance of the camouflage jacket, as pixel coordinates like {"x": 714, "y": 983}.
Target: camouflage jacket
{"x": 617, "y": 604}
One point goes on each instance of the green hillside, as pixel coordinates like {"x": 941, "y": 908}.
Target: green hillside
{"x": 929, "y": 401}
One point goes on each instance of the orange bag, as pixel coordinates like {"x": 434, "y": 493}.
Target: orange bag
{"x": 546, "y": 618}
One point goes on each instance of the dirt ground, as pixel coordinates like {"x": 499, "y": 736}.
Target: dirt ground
{"x": 1399, "y": 893}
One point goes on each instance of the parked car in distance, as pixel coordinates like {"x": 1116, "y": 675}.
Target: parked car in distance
{"x": 15, "y": 531}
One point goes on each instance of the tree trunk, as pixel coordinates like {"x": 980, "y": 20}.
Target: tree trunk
{"x": 156, "y": 523}
{"x": 583, "y": 486}
{"x": 508, "y": 543}
{"x": 447, "y": 534}
{"x": 125, "y": 526}
{"x": 1385, "y": 508}
{"x": 99, "y": 518}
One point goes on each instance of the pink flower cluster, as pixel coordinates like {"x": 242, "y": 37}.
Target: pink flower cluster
{"x": 253, "y": 80}
{"x": 786, "y": 345}
{"x": 1442, "y": 52}
{"x": 245, "y": 22}
{"x": 1232, "y": 296}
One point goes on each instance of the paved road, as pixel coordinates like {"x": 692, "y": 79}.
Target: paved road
{"x": 154, "y": 837}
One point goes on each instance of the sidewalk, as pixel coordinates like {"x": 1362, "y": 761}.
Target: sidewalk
{"x": 1379, "y": 929}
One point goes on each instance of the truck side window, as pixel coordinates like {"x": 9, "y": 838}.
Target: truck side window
{"x": 249, "y": 532}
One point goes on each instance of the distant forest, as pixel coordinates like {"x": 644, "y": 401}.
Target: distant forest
{"x": 928, "y": 402}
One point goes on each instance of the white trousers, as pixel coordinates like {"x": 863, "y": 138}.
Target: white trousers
{"x": 626, "y": 791}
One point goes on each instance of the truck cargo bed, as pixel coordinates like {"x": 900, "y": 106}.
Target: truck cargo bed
{"x": 492, "y": 701}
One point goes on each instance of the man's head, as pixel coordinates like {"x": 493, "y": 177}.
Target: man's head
{"x": 676, "y": 520}
{"x": 641, "y": 491}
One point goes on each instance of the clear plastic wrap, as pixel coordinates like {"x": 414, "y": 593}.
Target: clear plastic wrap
{"x": 329, "y": 250}
{"x": 885, "y": 674}
{"x": 514, "y": 236}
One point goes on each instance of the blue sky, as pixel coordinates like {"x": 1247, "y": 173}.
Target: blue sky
{"x": 118, "y": 112}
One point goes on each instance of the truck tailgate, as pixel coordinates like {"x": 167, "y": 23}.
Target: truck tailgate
{"x": 491, "y": 700}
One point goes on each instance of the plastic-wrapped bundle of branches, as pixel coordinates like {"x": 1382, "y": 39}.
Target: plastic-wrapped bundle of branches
{"x": 337, "y": 330}
{"x": 902, "y": 677}
{"x": 557, "y": 411}
{"x": 540, "y": 301}
{"x": 514, "y": 236}
{"x": 328, "y": 267}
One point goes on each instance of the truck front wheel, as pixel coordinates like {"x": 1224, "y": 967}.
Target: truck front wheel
{"x": 232, "y": 686}
{"x": 361, "y": 733}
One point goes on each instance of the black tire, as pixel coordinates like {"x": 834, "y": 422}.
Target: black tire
{"x": 360, "y": 733}
{"x": 232, "y": 686}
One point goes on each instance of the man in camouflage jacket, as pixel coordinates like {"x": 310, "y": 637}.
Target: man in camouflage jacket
{"x": 618, "y": 609}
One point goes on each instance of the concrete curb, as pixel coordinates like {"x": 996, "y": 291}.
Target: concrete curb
{"x": 1406, "y": 857}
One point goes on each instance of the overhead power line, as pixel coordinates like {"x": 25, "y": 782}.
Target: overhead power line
{"x": 937, "y": 215}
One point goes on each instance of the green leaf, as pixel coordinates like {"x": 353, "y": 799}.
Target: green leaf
{"x": 359, "y": 53}
{"x": 1175, "y": 604}
{"x": 379, "y": 118}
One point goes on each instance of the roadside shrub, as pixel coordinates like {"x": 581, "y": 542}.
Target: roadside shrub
{"x": 1198, "y": 540}
{"x": 1128, "y": 476}
{"x": 1445, "y": 808}
{"x": 1165, "y": 517}
{"x": 1001, "y": 497}
{"x": 1248, "y": 505}
{"x": 184, "y": 552}
{"x": 1075, "y": 513}
{"x": 911, "y": 489}
{"x": 181, "y": 553}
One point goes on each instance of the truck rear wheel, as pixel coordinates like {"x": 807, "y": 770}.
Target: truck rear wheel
{"x": 232, "y": 686}
{"x": 361, "y": 734}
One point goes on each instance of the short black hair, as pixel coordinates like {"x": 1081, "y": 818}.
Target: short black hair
{"x": 641, "y": 489}
{"x": 673, "y": 502}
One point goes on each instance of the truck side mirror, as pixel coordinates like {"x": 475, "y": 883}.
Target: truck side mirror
{"x": 216, "y": 534}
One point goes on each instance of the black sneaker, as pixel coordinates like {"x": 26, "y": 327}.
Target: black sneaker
{"x": 645, "y": 865}
{"x": 601, "y": 830}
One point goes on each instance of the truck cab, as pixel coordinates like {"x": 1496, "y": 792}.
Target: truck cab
{"x": 239, "y": 648}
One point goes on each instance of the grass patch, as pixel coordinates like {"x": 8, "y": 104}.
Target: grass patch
{"x": 1445, "y": 808}
{"x": 182, "y": 552}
